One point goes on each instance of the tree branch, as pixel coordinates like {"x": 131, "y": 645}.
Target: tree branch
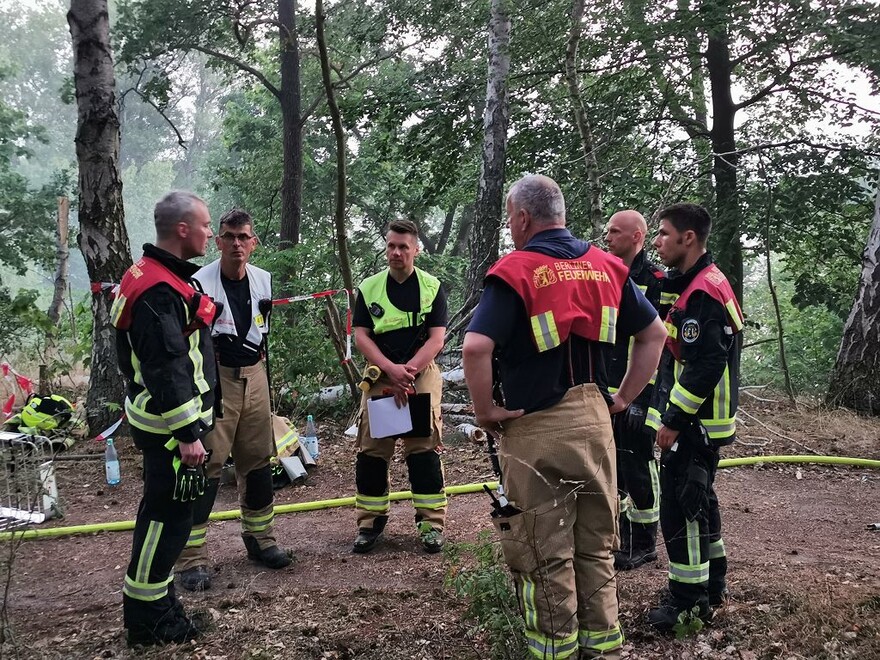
{"x": 779, "y": 79}
{"x": 241, "y": 65}
{"x": 146, "y": 99}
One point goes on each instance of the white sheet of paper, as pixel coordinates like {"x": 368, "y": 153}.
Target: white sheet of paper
{"x": 386, "y": 419}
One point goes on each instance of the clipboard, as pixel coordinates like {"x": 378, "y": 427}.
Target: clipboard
{"x": 387, "y": 421}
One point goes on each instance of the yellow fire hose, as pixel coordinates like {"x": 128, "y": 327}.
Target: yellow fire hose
{"x": 127, "y": 525}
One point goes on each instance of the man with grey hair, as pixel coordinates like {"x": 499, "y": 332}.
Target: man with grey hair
{"x": 549, "y": 314}
{"x": 165, "y": 352}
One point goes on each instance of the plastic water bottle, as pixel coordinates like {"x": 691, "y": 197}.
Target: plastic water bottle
{"x": 310, "y": 438}
{"x": 111, "y": 464}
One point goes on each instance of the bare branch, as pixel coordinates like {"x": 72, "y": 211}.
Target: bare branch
{"x": 146, "y": 99}
{"x": 241, "y": 65}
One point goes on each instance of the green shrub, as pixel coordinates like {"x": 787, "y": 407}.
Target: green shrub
{"x": 477, "y": 572}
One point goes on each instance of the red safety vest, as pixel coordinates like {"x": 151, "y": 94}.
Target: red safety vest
{"x": 147, "y": 273}
{"x": 566, "y": 296}
{"x": 712, "y": 281}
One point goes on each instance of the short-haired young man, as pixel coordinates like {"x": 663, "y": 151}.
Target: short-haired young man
{"x": 697, "y": 395}
{"x": 399, "y": 326}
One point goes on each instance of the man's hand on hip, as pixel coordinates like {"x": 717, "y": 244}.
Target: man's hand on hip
{"x": 493, "y": 418}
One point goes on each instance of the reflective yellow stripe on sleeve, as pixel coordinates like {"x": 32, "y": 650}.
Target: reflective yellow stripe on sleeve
{"x": 184, "y": 414}
{"x": 685, "y": 400}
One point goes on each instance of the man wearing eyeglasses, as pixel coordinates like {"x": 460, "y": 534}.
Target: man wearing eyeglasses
{"x": 245, "y": 429}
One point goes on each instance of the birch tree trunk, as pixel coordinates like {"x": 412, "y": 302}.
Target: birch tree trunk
{"x": 103, "y": 239}
{"x": 62, "y": 255}
{"x": 591, "y": 164}
{"x": 855, "y": 382}
{"x": 483, "y": 241}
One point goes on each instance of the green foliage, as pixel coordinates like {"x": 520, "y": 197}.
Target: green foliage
{"x": 302, "y": 358}
{"x": 689, "y": 623}
{"x": 812, "y": 335}
{"x": 20, "y": 319}
{"x": 476, "y": 572}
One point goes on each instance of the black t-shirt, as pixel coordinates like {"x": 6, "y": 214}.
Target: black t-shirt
{"x": 232, "y": 351}
{"x": 400, "y": 345}
{"x": 535, "y": 381}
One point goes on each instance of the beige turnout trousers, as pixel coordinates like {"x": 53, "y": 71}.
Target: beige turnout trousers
{"x": 245, "y": 432}
{"x": 558, "y": 467}
{"x": 425, "y": 470}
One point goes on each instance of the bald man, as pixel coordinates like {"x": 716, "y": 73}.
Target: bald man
{"x": 638, "y": 480}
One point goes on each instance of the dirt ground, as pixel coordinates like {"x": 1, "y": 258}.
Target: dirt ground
{"x": 804, "y": 567}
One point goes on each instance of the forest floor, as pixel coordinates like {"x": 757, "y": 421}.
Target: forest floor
{"x": 804, "y": 572}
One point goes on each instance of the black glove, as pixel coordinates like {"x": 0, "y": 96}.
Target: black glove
{"x": 634, "y": 417}
{"x": 694, "y": 494}
{"x": 189, "y": 481}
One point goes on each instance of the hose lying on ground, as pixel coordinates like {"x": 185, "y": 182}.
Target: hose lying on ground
{"x": 127, "y": 525}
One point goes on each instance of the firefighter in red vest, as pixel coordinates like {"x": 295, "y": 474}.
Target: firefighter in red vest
{"x": 550, "y": 312}
{"x": 697, "y": 397}
{"x": 165, "y": 352}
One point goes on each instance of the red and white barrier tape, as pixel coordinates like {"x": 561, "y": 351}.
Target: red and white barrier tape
{"x": 109, "y": 431}
{"x": 97, "y": 287}
{"x": 325, "y": 294}
{"x": 25, "y": 383}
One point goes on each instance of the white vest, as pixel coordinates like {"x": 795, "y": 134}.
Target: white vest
{"x": 260, "y": 282}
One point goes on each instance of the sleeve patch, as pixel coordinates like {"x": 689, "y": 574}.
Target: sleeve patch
{"x": 690, "y": 331}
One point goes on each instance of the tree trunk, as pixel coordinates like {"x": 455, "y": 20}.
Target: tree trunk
{"x": 487, "y": 221}
{"x": 337, "y": 337}
{"x": 291, "y": 101}
{"x": 697, "y": 99}
{"x": 334, "y": 323}
{"x": 780, "y": 330}
{"x": 448, "y": 220}
{"x": 855, "y": 382}
{"x": 726, "y": 239}
{"x": 597, "y": 222}
{"x": 465, "y": 224}
{"x": 102, "y": 238}
{"x": 62, "y": 254}
{"x": 339, "y": 133}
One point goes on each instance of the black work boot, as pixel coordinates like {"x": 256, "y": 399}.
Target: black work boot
{"x": 197, "y": 578}
{"x": 718, "y": 599}
{"x": 367, "y": 537}
{"x": 642, "y": 548}
{"x": 672, "y": 612}
{"x": 145, "y": 627}
{"x": 270, "y": 557}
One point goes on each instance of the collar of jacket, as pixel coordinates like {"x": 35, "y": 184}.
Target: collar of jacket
{"x": 677, "y": 281}
{"x": 557, "y": 242}
{"x": 181, "y": 268}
